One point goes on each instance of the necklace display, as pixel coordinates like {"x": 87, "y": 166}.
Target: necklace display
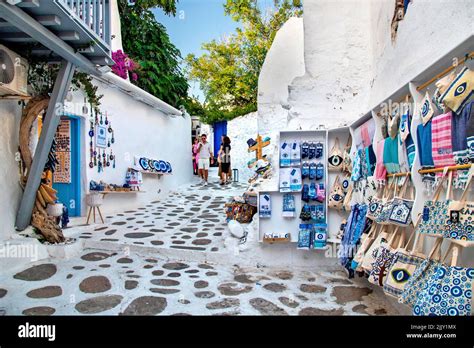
{"x": 100, "y": 157}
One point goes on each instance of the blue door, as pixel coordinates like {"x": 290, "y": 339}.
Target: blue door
{"x": 67, "y": 178}
{"x": 220, "y": 129}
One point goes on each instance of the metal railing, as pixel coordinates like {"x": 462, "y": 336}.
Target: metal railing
{"x": 95, "y": 14}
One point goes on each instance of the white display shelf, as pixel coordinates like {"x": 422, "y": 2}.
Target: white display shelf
{"x": 277, "y": 223}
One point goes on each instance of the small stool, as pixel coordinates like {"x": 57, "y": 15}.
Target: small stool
{"x": 235, "y": 175}
{"x": 94, "y": 201}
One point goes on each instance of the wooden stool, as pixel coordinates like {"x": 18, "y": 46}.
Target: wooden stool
{"x": 94, "y": 201}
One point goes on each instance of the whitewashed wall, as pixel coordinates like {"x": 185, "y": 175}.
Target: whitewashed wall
{"x": 139, "y": 131}
{"x": 9, "y": 171}
{"x": 430, "y": 29}
{"x": 239, "y": 130}
{"x": 284, "y": 62}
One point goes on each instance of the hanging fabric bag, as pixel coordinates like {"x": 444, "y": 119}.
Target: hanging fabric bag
{"x": 336, "y": 198}
{"x": 402, "y": 206}
{"x": 404, "y": 265}
{"x": 460, "y": 222}
{"x": 365, "y": 243}
{"x": 435, "y": 212}
{"x": 346, "y": 158}
{"x": 386, "y": 256}
{"x": 372, "y": 252}
{"x": 448, "y": 290}
{"x": 335, "y": 157}
{"x": 419, "y": 279}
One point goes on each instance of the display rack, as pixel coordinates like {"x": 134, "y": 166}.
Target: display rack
{"x": 276, "y": 223}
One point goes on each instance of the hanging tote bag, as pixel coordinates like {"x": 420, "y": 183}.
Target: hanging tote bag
{"x": 336, "y": 198}
{"x": 460, "y": 222}
{"x": 346, "y": 158}
{"x": 376, "y": 204}
{"x": 387, "y": 205}
{"x": 365, "y": 242}
{"x": 419, "y": 279}
{"x": 371, "y": 254}
{"x": 448, "y": 290}
{"x": 435, "y": 212}
{"x": 386, "y": 256}
{"x": 402, "y": 206}
{"x": 335, "y": 157}
{"x": 404, "y": 265}
{"x": 459, "y": 91}
{"x": 346, "y": 205}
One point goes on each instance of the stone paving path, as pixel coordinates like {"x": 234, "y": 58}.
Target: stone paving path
{"x": 104, "y": 282}
{"x": 190, "y": 219}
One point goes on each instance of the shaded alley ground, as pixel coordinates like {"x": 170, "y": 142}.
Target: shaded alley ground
{"x": 157, "y": 260}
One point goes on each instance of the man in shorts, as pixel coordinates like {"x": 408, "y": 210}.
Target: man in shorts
{"x": 205, "y": 153}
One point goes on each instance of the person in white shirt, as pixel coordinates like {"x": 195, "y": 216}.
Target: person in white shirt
{"x": 205, "y": 153}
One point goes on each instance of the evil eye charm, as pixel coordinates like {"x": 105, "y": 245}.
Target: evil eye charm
{"x": 335, "y": 160}
{"x": 400, "y": 276}
{"x": 425, "y": 109}
{"x": 337, "y": 197}
{"x": 460, "y": 89}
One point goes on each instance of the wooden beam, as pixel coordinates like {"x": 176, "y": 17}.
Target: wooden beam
{"x": 28, "y": 25}
{"x": 49, "y": 20}
{"x": 68, "y": 35}
{"x": 16, "y": 37}
{"x": 29, "y": 3}
{"x": 50, "y": 124}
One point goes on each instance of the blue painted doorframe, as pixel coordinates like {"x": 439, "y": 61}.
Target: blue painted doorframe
{"x": 220, "y": 129}
{"x": 70, "y": 194}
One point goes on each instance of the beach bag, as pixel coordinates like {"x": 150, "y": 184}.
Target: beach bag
{"x": 461, "y": 216}
{"x": 365, "y": 243}
{"x": 402, "y": 206}
{"x": 386, "y": 205}
{"x": 376, "y": 204}
{"x": 335, "y": 157}
{"x": 426, "y": 110}
{"x": 346, "y": 158}
{"x": 459, "y": 91}
{"x": 348, "y": 199}
{"x": 419, "y": 279}
{"x": 372, "y": 251}
{"x": 393, "y": 124}
{"x": 404, "y": 265}
{"x": 357, "y": 166}
{"x": 435, "y": 212}
{"x": 448, "y": 290}
{"x": 336, "y": 197}
{"x": 386, "y": 256}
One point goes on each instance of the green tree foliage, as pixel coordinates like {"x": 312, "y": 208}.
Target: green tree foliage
{"x": 147, "y": 42}
{"x": 228, "y": 70}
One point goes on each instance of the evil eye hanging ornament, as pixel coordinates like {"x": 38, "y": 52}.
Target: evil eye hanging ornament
{"x": 99, "y": 163}
{"x": 112, "y": 158}
{"x": 91, "y": 143}
{"x": 106, "y": 119}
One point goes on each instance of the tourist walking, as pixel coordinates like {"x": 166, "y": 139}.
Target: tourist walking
{"x": 224, "y": 160}
{"x": 195, "y": 150}
{"x": 205, "y": 154}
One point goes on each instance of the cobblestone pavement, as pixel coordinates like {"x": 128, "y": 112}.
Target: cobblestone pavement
{"x": 105, "y": 282}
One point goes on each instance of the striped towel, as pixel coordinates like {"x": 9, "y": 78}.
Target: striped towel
{"x": 442, "y": 145}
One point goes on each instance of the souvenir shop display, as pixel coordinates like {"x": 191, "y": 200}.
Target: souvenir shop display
{"x": 148, "y": 165}
{"x": 257, "y": 146}
{"x": 301, "y": 191}
{"x": 346, "y": 157}
{"x": 335, "y": 159}
{"x": 385, "y": 256}
{"x": 404, "y": 265}
{"x": 265, "y": 207}
{"x": 101, "y": 139}
{"x": 133, "y": 178}
{"x": 448, "y": 290}
{"x": 241, "y": 212}
{"x": 336, "y": 197}
{"x": 289, "y": 207}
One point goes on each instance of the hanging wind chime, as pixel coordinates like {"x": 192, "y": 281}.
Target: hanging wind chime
{"x": 100, "y": 157}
